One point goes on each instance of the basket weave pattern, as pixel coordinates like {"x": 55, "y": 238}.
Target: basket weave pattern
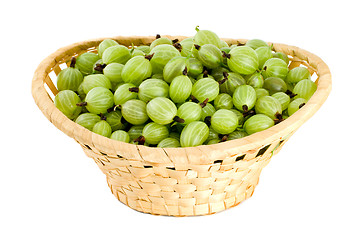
{"x": 179, "y": 181}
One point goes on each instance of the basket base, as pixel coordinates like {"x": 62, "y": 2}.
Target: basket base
{"x": 178, "y": 208}
{"x": 193, "y": 191}
{"x": 181, "y": 211}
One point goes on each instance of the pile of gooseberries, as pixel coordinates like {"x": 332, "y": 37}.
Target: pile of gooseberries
{"x": 186, "y": 93}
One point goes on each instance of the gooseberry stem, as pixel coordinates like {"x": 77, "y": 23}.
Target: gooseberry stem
{"x": 140, "y": 140}
{"x": 205, "y": 73}
{"x": 194, "y": 99}
{"x": 178, "y": 119}
{"x": 226, "y": 55}
{"x": 103, "y": 117}
{"x": 225, "y": 75}
{"x": 81, "y": 104}
{"x": 100, "y": 67}
{"x": 149, "y": 57}
{"x": 247, "y": 112}
{"x": 290, "y": 94}
{"x": 73, "y": 62}
{"x": 245, "y": 108}
{"x": 116, "y": 106}
{"x": 279, "y": 118}
{"x": 223, "y": 138}
{"x": 204, "y": 103}
{"x": 158, "y": 36}
{"x": 197, "y": 46}
{"x": 207, "y": 120}
{"x": 134, "y": 89}
{"x": 178, "y": 46}
{"x": 185, "y": 71}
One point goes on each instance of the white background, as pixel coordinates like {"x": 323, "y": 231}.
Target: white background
{"x": 51, "y": 190}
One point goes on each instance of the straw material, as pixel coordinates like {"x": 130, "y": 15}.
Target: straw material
{"x": 179, "y": 181}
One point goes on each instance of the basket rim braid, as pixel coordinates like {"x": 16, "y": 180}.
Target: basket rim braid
{"x": 201, "y": 155}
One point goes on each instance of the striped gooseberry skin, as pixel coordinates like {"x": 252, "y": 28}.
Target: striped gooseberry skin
{"x": 223, "y": 101}
{"x": 95, "y": 80}
{"x": 102, "y": 128}
{"x": 134, "y": 111}
{"x": 282, "y": 56}
{"x": 295, "y": 105}
{"x": 175, "y": 135}
{"x": 66, "y": 101}
{"x": 269, "y": 106}
{"x": 255, "y": 80}
{"x": 213, "y": 141}
{"x": 174, "y": 68}
{"x": 224, "y": 121}
{"x": 243, "y": 60}
{"x": 104, "y": 45}
{"x": 187, "y": 45}
{"x": 169, "y": 143}
{"x": 210, "y": 56}
{"x": 117, "y": 53}
{"x": 237, "y": 135}
{"x": 223, "y": 44}
{"x": 154, "y": 132}
{"x": 239, "y": 115}
{"x": 144, "y": 48}
{"x": 159, "y": 41}
{"x": 207, "y": 111}
{"x": 135, "y": 131}
{"x": 283, "y": 98}
{"x": 136, "y": 70}
{"x": 260, "y": 92}
{"x": 244, "y": 97}
{"x": 274, "y": 85}
{"x": 98, "y": 100}
{"x": 212, "y": 134}
{"x": 195, "y": 67}
{"x": 162, "y": 55}
{"x": 135, "y": 52}
{"x": 189, "y": 112}
{"x": 203, "y": 37}
{"x": 275, "y": 67}
{"x": 151, "y": 88}
{"x": 205, "y": 88}
{"x": 123, "y": 94}
{"x": 202, "y": 75}
{"x": 114, "y": 118}
{"x": 161, "y": 110}
{"x": 305, "y": 89}
{"x": 180, "y": 89}
{"x": 113, "y": 72}
{"x": 217, "y": 73}
{"x": 120, "y": 135}
{"x": 256, "y": 43}
{"x": 264, "y": 53}
{"x": 87, "y": 120}
{"x": 85, "y": 62}
{"x": 69, "y": 79}
{"x": 233, "y": 81}
{"x": 297, "y": 74}
{"x": 194, "y": 134}
{"x": 257, "y": 123}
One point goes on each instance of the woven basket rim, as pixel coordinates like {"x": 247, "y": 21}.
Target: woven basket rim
{"x": 176, "y": 155}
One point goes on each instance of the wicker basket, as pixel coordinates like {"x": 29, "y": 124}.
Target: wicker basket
{"x": 179, "y": 181}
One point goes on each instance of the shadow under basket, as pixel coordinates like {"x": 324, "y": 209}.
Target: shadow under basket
{"x": 179, "y": 181}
